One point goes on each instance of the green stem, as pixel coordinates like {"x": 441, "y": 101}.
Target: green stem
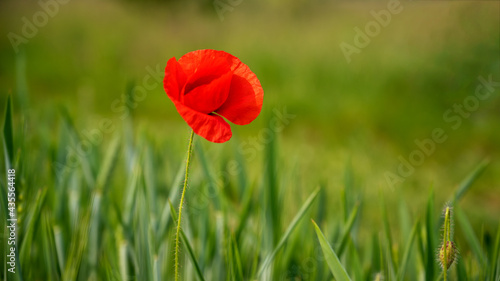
{"x": 446, "y": 239}
{"x": 177, "y": 234}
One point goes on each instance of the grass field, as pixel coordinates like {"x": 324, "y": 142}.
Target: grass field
{"x": 98, "y": 170}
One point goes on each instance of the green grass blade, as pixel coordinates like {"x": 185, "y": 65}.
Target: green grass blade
{"x": 236, "y": 259}
{"x": 407, "y": 251}
{"x": 355, "y": 261}
{"x": 165, "y": 216}
{"x": 94, "y": 237}
{"x": 289, "y": 230}
{"x": 347, "y": 191}
{"x": 245, "y": 212}
{"x": 8, "y": 135}
{"x": 430, "y": 227}
{"x": 76, "y": 139}
{"x": 143, "y": 239}
{"x": 391, "y": 260}
{"x": 494, "y": 259}
{"x": 131, "y": 192}
{"x": 469, "y": 180}
{"x": 123, "y": 257}
{"x": 209, "y": 176}
{"x": 150, "y": 181}
{"x": 347, "y": 230}
{"x": 375, "y": 255}
{"x": 404, "y": 219}
{"x": 77, "y": 247}
{"x": 32, "y": 220}
{"x": 59, "y": 244}
{"x": 108, "y": 164}
{"x": 421, "y": 247}
{"x": 332, "y": 260}
{"x": 156, "y": 269}
{"x": 241, "y": 168}
{"x": 470, "y": 236}
{"x": 273, "y": 206}
{"x": 255, "y": 259}
{"x": 461, "y": 272}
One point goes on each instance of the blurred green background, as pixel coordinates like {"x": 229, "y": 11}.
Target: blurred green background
{"x": 363, "y": 114}
{"x": 368, "y": 111}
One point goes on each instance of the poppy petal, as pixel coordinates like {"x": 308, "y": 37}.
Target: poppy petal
{"x": 207, "y": 98}
{"x": 245, "y": 98}
{"x": 174, "y": 79}
{"x": 211, "y": 127}
{"x": 205, "y": 62}
{"x": 209, "y": 69}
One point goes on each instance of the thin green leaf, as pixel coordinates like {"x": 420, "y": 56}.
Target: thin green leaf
{"x": 289, "y": 230}
{"x": 430, "y": 228}
{"x": 59, "y": 244}
{"x": 237, "y": 259}
{"x": 461, "y": 272}
{"x": 32, "y": 220}
{"x": 355, "y": 261}
{"x": 332, "y": 260}
{"x": 94, "y": 237}
{"x": 77, "y": 247}
{"x": 273, "y": 206}
{"x": 108, "y": 164}
{"x": 49, "y": 252}
{"x": 165, "y": 216}
{"x": 494, "y": 259}
{"x": 8, "y": 135}
{"x": 76, "y": 139}
{"x": 209, "y": 175}
{"x": 407, "y": 252}
{"x": 391, "y": 260}
{"x": 245, "y": 211}
{"x": 470, "y": 236}
{"x": 122, "y": 257}
{"x": 470, "y": 179}
{"x": 347, "y": 230}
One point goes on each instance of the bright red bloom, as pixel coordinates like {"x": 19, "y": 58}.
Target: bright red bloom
{"x": 206, "y": 85}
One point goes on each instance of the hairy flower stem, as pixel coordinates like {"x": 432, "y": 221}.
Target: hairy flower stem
{"x": 446, "y": 238}
{"x": 177, "y": 234}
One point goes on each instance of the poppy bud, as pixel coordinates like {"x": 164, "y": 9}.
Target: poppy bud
{"x": 451, "y": 253}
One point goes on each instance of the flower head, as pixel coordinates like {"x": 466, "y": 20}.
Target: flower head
{"x": 451, "y": 253}
{"x": 207, "y": 85}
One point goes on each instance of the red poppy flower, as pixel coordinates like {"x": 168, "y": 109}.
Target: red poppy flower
{"x": 206, "y": 85}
